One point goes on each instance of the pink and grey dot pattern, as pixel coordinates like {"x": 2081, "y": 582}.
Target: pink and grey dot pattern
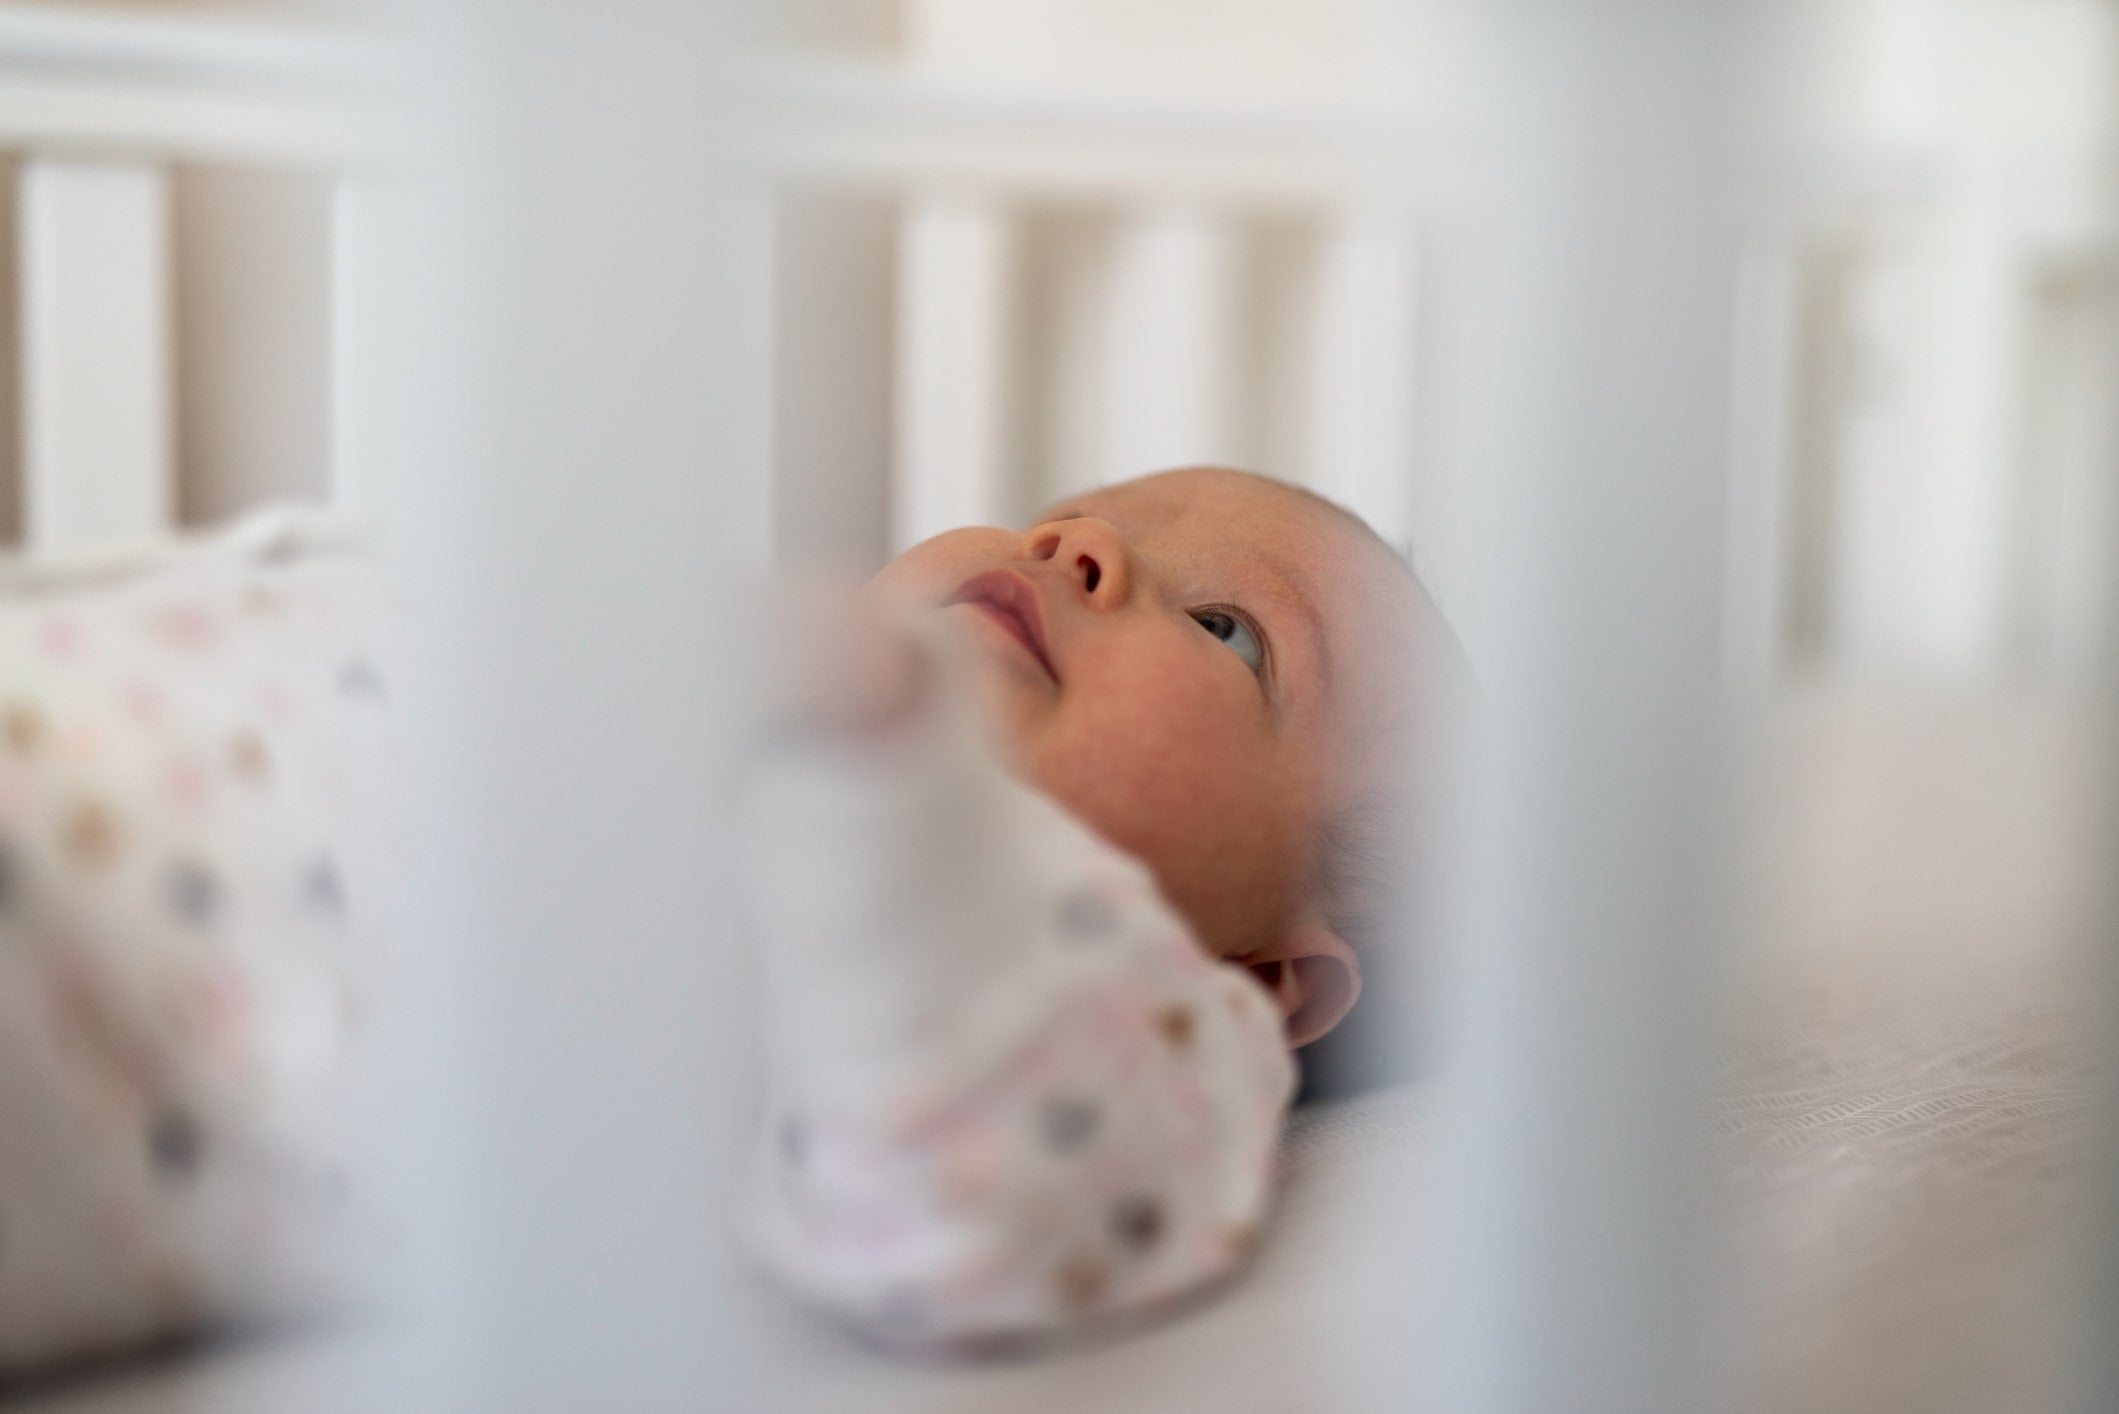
{"x": 176, "y": 913}
{"x": 1089, "y": 1135}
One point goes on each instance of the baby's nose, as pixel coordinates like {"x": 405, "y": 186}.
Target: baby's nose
{"x": 1091, "y": 550}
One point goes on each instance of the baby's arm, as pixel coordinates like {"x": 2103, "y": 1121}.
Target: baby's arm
{"x": 1009, "y": 1092}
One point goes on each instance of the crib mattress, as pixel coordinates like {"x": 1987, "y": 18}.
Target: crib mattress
{"x": 1900, "y": 1196}
{"x": 1900, "y": 1127}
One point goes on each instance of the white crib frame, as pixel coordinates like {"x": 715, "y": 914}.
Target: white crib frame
{"x": 97, "y": 106}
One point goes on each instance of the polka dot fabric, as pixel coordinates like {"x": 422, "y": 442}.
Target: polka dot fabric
{"x": 191, "y": 855}
{"x": 1011, "y": 1096}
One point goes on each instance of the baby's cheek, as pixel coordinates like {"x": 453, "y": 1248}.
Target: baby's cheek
{"x": 1162, "y": 746}
{"x": 1172, "y": 774}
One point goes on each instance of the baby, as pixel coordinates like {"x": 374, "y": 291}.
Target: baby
{"x": 1030, "y": 1013}
{"x": 1080, "y": 832}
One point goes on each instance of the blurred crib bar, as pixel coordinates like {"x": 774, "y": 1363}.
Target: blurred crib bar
{"x": 1575, "y": 1205}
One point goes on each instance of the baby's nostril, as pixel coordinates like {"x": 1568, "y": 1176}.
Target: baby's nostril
{"x": 1092, "y": 572}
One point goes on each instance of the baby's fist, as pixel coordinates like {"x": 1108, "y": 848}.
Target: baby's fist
{"x": 838, "y": 664}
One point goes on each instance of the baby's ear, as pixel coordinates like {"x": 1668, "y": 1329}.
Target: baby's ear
{"x": 1313, "y": 975}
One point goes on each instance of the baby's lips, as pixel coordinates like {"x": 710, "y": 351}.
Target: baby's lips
{"x": 1012, "y": 602}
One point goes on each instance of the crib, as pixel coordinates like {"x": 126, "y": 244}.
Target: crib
{"x": 980, "y": 301}
{"x": 972, "y": 301}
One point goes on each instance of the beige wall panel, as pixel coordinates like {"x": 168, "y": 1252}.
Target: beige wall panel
{"x": 253, "y": 340}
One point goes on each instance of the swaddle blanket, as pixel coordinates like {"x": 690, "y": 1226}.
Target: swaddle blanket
{"x": 1010, "y": 1094}
{"x": 190, "y": 745}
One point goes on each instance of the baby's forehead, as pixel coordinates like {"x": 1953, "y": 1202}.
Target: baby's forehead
{"x": 1250, "y": 526}
{"x": 1213, "y": 501}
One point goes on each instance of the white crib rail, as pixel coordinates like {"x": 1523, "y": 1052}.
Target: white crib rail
{"x": 1155, "y": 361}
{"x": 77, "y": 80}
{"x": 847, "y": 122}
{"x": 954, "y": 358}
{"x": 1161, "y": 360}
{"x": 119, "y": 98}
{"x": 96, "y": 108}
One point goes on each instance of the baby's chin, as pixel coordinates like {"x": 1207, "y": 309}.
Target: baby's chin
{"x": 1008, "y": 707}
{"x": 1013, "y": 702}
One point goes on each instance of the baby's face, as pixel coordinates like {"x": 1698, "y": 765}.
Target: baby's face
{"x": 1188, "y": 663}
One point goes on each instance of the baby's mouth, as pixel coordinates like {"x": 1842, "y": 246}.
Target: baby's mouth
{"x": 1010, "y": 601}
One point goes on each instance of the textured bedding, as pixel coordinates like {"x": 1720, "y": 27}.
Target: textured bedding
{"x": 1900, "y": 1120}
{"x": 1900, "y": 1124}
{"x": 1908, "y": 1114}
{"x": 1898, "y": 1192}
{"x": 192, "y": 741}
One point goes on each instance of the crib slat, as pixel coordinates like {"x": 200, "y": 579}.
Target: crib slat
{"x": 1585, "y": 993}
{"x": 1361, "y": 306}
{"x": 956, "y": 268}
{"x": 1169, "y": 394}
{"x": 97, "y": 457}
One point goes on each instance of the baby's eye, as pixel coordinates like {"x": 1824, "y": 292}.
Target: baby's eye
{"x": 1242, "y": 639}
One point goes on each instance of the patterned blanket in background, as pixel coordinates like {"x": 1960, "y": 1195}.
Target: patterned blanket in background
{"x": 192, "y": 860}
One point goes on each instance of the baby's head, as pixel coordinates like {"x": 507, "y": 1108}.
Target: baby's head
{"x": 1214, "y": 671}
